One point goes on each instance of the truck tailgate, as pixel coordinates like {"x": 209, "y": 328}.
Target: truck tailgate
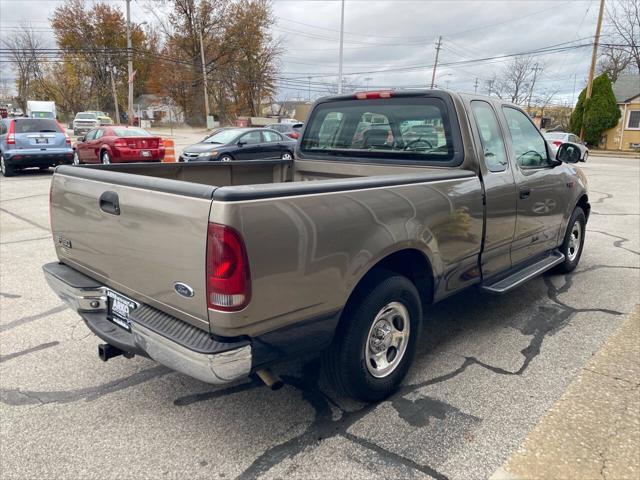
{"x": 155, "y": 237}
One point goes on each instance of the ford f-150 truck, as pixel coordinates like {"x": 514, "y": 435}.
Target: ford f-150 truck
{"x": 219, "y": 270}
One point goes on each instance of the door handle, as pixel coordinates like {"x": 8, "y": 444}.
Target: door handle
{"x": 525, "y": 192}
{"x": 110, "y": 203}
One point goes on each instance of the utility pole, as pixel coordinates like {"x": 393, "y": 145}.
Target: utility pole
{"x": 309, "y": 92}
{"x": 110, "y": 67}
{"x": 341, "y": 48}
{"x": 204, "y": 77}
{"x": 490, "y": 83}
{"x": 435, "y": 64}
{"x": 129, "y": 67}
{"x": 594, "y": 55}
{"x": 475, "y": 86}
{"x": 536, "y": 68}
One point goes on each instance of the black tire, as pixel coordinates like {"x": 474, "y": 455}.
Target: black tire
{"x": 345, "y": 361}
{"x": 6, "y": 169}
{"x": 572, "y": 257}
{"x": 226, "y": 158}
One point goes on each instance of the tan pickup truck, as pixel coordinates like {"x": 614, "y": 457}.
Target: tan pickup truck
{"x": 395, "y": 200}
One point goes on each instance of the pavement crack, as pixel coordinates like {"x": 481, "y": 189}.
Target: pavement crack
{"x": 11, "y": 356}
{"x": 617, "y": 243}
{"x": 31, "y": 318}
{"x": 24, "y": 219}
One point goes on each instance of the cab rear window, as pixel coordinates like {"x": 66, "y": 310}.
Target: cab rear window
{"x": 35, "y": 125}
{"x": 401, "y": 129}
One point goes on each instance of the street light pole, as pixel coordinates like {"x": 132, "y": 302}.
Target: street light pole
{"x": 129, "y": 67}
{"x": 341, "y": 48}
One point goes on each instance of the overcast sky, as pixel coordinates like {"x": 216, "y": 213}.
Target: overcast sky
{"x": 391, "y": 43}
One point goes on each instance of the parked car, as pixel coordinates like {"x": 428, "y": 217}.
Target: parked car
{"x": 555, "y": 139}
{"x": 291, "y": 130}
{"x": 230, "y": 144}
{"x": 85, "y": 121}
{"x": 103, "y": 118}
{"x": 118, "y": 144}
{"x": 32, "y": 142}
{"x": 338, "y": 251}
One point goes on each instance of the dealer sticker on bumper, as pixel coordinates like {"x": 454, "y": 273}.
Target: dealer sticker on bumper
{"x": 119, "y": 309}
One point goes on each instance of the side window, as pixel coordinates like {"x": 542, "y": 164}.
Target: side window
{"x": 574, "y": 139}
{"x": 252, "y": 138}
{"x": 528, "y": 144}
{"x": 90, "y": 135}
{"x": 98, "y": 134}
{"x": 271, "y": 136}
{"x": 495, "y": 155}
{"x": 3, "y": 127}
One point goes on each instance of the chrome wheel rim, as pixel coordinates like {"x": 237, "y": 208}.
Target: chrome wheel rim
{"x": 286, "y": 156}
{"x": 387, "y": 339}
{"x": 2, "y": 164}
{"x": 105, "y": 158}
{"x": 76, "y": 159}
{"x": 225, "y": 159}
{"x": 574, "y": 241}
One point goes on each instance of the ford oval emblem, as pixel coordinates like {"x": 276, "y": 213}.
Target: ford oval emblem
{"x": 183, "y": 289}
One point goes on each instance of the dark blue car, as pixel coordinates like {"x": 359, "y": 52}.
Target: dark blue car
{"x": 32, "y": 142}
{"x": 228, "y": 144}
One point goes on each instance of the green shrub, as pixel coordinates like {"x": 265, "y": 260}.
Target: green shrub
{"x": 597, "y": 114}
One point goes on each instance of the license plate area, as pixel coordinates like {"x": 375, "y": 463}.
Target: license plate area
{"x": 119, "y": 308}
{"x": 145, "y": 153}
{"x": 41, "y": 141}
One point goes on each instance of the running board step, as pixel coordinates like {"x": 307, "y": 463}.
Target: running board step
{"x": 527, "y": 273}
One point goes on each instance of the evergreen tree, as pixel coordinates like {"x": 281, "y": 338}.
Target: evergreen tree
{"x": 598, "y": 114}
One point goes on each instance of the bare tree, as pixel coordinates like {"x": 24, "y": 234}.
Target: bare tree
{"x": 23, "y": 49}
{"x": 614, "y": 61}
{"x": 624, "y": 24}
{"x": 517, "y": 80}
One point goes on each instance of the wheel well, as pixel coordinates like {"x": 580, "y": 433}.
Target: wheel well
{"x": 410, "y": 263}
{"x": 584, "y": 204}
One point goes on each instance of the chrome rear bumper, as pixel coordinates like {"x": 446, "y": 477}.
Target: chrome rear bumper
{"x": 210, "y": 361}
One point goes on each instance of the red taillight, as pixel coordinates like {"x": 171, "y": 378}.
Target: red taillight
{"x": 294, "y": 135}
{"x": 160, "y": 143}
{"x": 11, "y": 133}
{"x": 228, "y": 277}
{"x": 368, "y": 95}
{"x": 119, "y": 143}
{"x": 557, "y": 143}
{"x": 66, "y": 135}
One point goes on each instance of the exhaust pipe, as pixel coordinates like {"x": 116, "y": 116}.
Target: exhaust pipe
{"x": 106, "y": 351}
{"x": 270, "y": 379}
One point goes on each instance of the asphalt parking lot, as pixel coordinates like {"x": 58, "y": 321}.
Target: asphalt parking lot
{"x": 487, "y": 370}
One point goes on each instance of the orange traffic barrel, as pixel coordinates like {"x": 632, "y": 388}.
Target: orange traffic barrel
{"x": 169, "y": 151}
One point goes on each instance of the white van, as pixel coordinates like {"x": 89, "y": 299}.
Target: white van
{"x": 41, "y": 109}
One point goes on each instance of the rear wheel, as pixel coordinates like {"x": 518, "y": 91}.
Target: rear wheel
{"x": 76, "y": 158}
{"x": 106, "y": 159}
{"x": 375, "y": 342}
{"x": 573, "y": 241}
{"x": 6, "y": 169}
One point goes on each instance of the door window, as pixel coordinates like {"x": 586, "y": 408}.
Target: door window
{"x": 528, "y": 144}
{"x": 271, "y": 136}
{"x": 495, "y": 155}
{"x": 90, "y": 135}
{"x": 252, "y": 138}
{"x": 99, "y": 133}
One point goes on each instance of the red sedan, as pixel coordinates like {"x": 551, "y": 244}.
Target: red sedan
{"x": 118, "y": 144}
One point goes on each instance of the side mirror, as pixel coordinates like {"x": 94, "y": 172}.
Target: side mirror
{"x": 241, "y": 143}
{"x": 80, "y": 139}
{"x": 569, "y": 153}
